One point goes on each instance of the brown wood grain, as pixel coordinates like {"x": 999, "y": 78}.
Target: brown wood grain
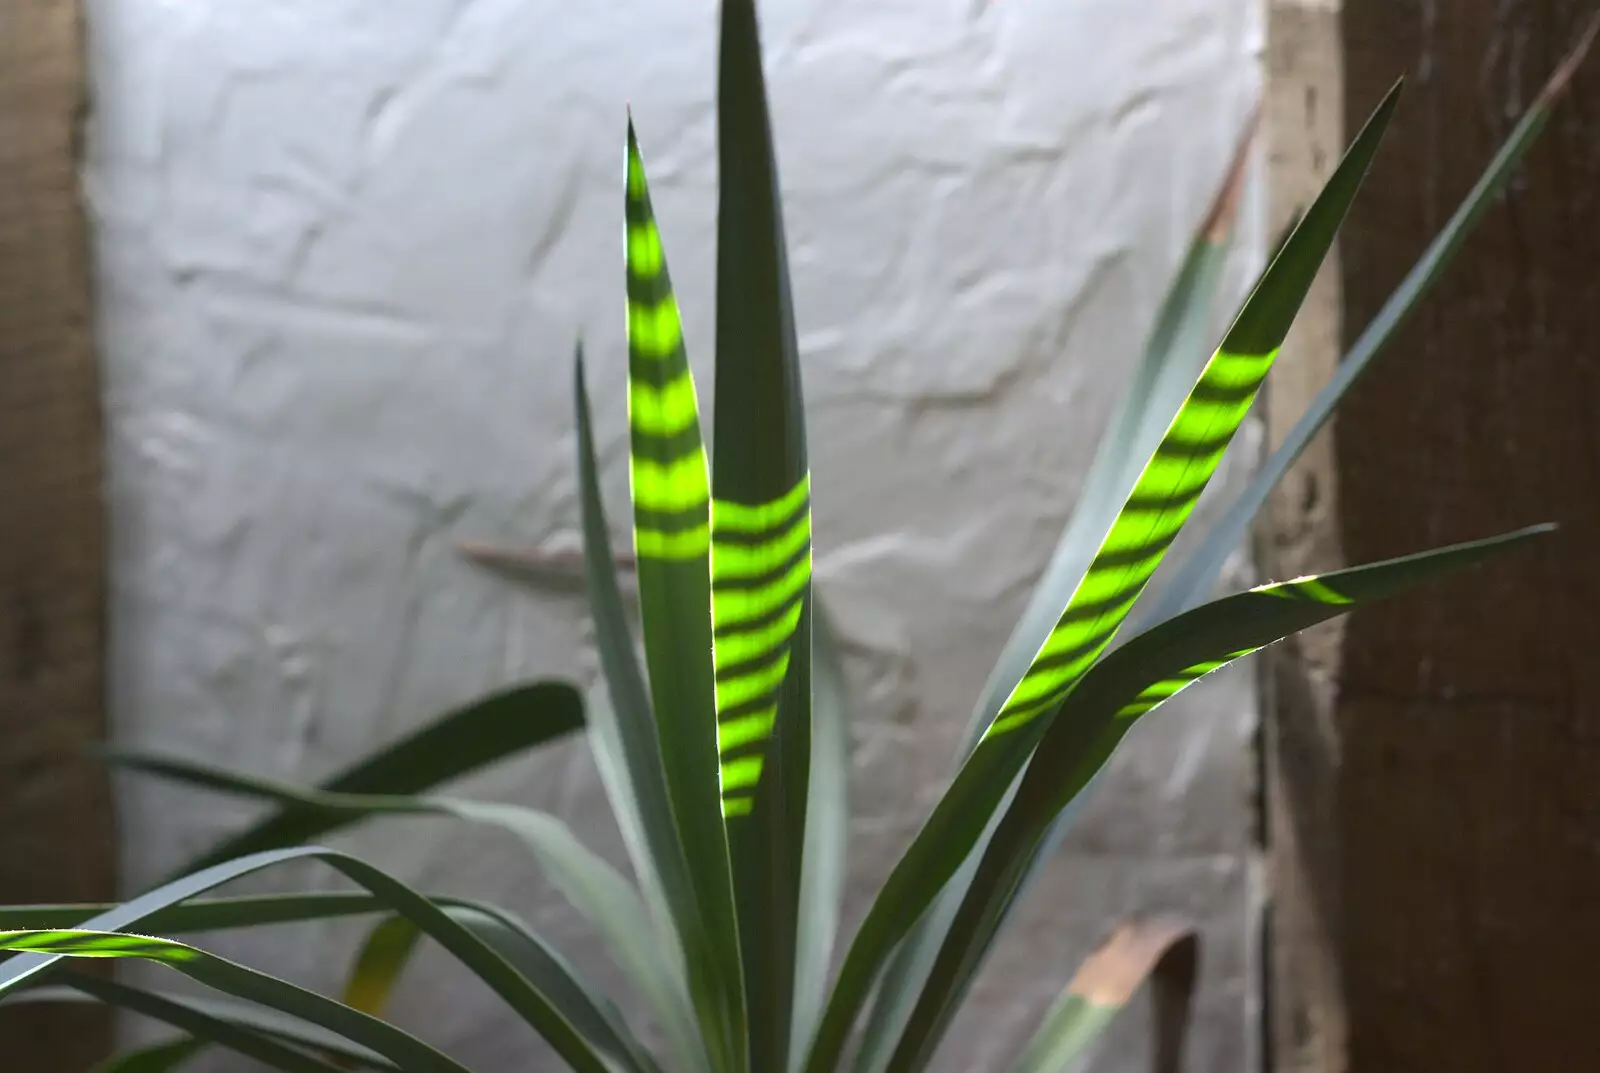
{"x": 1469, "y": 785}
{"x": 56, "y": 837}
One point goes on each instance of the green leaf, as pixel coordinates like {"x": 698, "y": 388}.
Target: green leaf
{"x": 1150, "y": 518}
{"x": 1162, "y": 950}
{"x": 586, "y": 880}
{"x": 81, "y": 987}
{"x": 402, "y": 1048}
{"x": 523, "y": 996}
{"x": 672, "y": 543}
{"x": 1194, "y": 581}
{"x": 1179, "y": 343}
{"x": 1129, "y": 682}
{"x": 207, "y": 1027}
{"x": 156, "y": 1058}
{"x": 481, "y": 733}
{"x": 825, "y": 863}
{"x": 383, "y": 957}
{"x": 209, "y": 914}
{"x": 760, "y": 548}
{"x": 623, "y": 737}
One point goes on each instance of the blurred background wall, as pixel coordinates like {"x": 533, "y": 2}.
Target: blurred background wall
{"x": 343, "y": 249}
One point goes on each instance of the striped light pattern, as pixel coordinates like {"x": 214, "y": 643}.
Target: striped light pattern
{"x": 1160, "y": 503}
{"x": 671, "y": 485}
{"x": 760, "y": 575}
{"x": 1310, "y": 589}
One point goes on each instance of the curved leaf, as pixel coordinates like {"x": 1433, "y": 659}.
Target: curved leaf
{"x": 481, "y": 733}
{"x": 593, "y": 886}
{"x": 404, "y": 1049}
{"x": 80, "y": 987}
{"x": 523, "y": 997}
{"x": 1128, "y": 683}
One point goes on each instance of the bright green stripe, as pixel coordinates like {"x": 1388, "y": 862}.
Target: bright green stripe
{"x": 679, "y": 485}
{"x": 688, "y": 544}
{"x": 737, "y": 806}
{"x": 739, "y": 517}
{"x": 1320, "y": 591}
{"x": 667, "y": 410}
{"x": 655, "y": 331}
{"x": 747, "y": 687}
{"x": 740, "y": 561}
{"x": 734, "y": 606}
{"x": 745, "y": 729}
{"x": 747, "y": 645}
{"x": 645, "y": 256}
{"x": 635, "y": 173}
{"x": 741, "y": 773}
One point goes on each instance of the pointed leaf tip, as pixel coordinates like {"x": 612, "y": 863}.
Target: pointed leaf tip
{"x": 1224, "y": 208}
{"x": 1568, "y": 67}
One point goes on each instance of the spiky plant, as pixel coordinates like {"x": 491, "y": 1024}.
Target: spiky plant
{"x": 725, "y": 755}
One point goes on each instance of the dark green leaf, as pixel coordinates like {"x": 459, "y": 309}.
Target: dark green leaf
{"x": 760, "y": 547}
{"x": 456, "y": 744}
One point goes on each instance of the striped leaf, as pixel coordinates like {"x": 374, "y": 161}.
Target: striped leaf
{"x": 522, "y": 995}
{"x": 1151, "y": 516}
{"x": 760, "y": 548}
{"x": 456, "y": 744}
{"x": 1163, "y": 951}
{"x": 672, "y": 544}
{"x": 1128, "y": 683}
{"x": 1179, "y": 343}
{"x": 588, "y": 882}
{"x": 400, "y": 1047}
{"x": 1194, "y": 581}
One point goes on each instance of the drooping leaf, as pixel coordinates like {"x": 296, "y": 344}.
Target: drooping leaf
{"x": 592, "y": 885}
{"x": 156, "y": 1058}
{"x": 760, "y": 547}
{"x": 1194, "y": 581}
{"x": 404, "y": 1049}
{"x": 1179, "y": 343}
{"x": 522, "y": 995}
{"x": 1162, "y": 950}
{"x": 1128, "y": 683}
{"x": 461, "y": 742}
{"x": 672, "y": 544}
{"x": 1150, "y": 518}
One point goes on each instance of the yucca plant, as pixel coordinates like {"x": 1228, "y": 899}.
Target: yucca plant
{"x": 725, "y": 754}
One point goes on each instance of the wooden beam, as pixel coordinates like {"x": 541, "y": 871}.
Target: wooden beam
{"x": 1469, "y": 806}
{"x": 56, "y": 835}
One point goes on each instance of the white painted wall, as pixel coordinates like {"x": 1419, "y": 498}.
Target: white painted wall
{"x": 344, "y": 248}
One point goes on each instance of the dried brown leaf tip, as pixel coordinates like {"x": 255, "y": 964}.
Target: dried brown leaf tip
{"x": 1225, "y": 206}
{"x": 1116, "y": 970}
{"x": 1569, "y": 66}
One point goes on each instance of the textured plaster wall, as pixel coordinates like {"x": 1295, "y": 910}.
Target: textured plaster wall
{"x": 344, "y": 247}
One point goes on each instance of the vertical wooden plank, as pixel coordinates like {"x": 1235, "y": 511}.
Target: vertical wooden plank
{"x": 1304, "y": 1001}
{"x": 1468, "y": 811}
{"x": 56, "y": 838}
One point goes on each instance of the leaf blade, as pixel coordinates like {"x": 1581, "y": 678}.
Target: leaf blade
{"x": 671, "y": 490}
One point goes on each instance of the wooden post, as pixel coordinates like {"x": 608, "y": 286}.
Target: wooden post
{"x": 1434, "y": 772}
{"x": 56, "y": 836}
{"x": 1469, "y": 812}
